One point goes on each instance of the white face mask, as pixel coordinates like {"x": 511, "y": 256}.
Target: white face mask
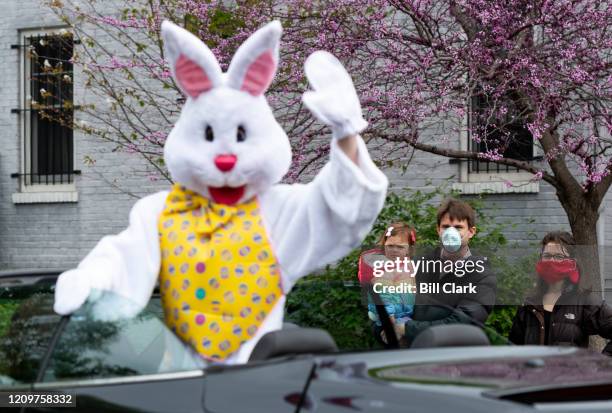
{"x": 451, "y": 239}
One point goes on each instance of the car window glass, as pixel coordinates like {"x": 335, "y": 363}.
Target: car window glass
{"x": 90, "y": 348}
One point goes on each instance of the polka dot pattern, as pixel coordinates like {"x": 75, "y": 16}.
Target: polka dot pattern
{"x": 219, "y": 278}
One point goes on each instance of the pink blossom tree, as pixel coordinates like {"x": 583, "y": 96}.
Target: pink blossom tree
{"x": 542, "y": 66}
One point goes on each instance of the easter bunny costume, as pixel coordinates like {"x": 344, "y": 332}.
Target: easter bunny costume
{"x": 228, "y": 241}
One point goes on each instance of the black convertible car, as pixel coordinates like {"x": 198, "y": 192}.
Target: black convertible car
{"x": 139, "y": 365}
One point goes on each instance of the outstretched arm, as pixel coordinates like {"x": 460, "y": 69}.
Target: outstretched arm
{"x": 315, "y": 224}
{"x": 318, "y": 223}
{"x": 126, "y": 264}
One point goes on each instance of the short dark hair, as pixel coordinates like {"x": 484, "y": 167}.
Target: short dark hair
{"x": 457, "y": 209}
{"x": 563, "y": 238}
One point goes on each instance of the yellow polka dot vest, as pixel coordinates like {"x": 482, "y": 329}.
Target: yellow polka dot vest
{"x": 219, "y": 278}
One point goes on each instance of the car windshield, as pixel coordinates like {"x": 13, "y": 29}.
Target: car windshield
{"x": 35, "y": 345}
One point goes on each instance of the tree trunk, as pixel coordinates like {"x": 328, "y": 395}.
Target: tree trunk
{"x": 583, "y": 217}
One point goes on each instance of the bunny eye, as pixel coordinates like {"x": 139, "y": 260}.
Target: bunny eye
{"x": 241, "y": 134}
{"x": 209, "y": 134}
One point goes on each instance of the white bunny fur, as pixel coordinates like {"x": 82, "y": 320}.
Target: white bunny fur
{"x": 263, "y": 158}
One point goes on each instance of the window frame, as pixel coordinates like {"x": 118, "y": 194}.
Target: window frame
{"x": 490, "y": 182}
{"x": 492, "y": 176}
{"x": 37, "y": 192}
{"x": 495, "y": 182}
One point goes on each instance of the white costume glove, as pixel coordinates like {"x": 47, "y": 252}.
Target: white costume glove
{"x": 333, "y": 100}
{"x": 71, "y": 291}
{"x": 108, "y": 306}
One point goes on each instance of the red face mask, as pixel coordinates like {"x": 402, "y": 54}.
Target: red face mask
{"x": 554, "y": 271}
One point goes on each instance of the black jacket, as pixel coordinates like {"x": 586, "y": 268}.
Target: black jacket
{"x": 575, "y": 316}
{"x": 436, "y": 308}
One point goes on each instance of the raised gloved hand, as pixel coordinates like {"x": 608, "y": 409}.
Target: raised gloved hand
{"x": 333, "y": 99}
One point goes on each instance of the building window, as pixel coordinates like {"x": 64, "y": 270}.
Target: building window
{"x": 500, "y": 129}
{"x": 496, "y": 128}
{"x": 47, "y": 108}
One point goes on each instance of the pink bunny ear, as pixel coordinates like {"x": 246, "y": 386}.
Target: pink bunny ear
{"x": 192, "y": 79}
{"x": 259, "y": 74}
{"x": 193, "y": 65}
{"x": 254, "y": 64}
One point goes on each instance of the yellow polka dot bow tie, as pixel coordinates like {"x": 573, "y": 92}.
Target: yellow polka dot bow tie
{"x": 208, "y": 215}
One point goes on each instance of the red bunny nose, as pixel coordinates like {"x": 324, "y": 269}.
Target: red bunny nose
{"x": 225, "y": 162}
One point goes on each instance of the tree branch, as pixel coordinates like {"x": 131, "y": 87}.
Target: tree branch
{"x": 461, "y": 154}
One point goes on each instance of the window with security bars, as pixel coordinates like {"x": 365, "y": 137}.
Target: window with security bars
{"x": 47, "y": 108}
{"x": 500, "y": 128}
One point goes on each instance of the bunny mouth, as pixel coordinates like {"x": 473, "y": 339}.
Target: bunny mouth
{"x": 226, "y": 194}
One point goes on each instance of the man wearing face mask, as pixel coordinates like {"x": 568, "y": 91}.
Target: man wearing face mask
{"x": 453, "y": 285}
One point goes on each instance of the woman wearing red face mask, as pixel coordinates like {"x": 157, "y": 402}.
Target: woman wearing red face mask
{"x": 559, "y": 313}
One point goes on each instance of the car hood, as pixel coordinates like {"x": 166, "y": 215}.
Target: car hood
{"x": 528, "y": 375}
{"x": 493, "y": 367}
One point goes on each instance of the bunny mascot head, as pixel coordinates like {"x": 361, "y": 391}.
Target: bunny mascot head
{"x": 227, "y": 242}
{"x": 226, "y": 145}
